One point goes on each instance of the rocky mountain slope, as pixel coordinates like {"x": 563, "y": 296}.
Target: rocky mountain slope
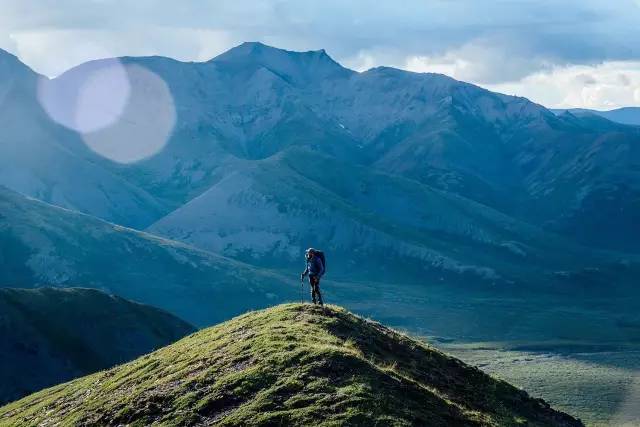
{"x": 289, "y": 365}
{"x": 567, "y": 174}
{"x": 44, "y": 245}
{"x": 49, "y": 336}
{"x": 375, "y": 224}
{"x": 43, "y": 159}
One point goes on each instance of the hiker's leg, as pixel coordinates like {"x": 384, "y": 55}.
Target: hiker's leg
{"x": 312, "y": 288}
{"x": 318, "y": 291}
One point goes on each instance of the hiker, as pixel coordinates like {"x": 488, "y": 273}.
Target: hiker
{"x": 315, "y": 270}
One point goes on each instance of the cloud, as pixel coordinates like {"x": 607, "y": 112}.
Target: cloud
{"x": 484, "y": 61}
{"x": 489, "y": 42}
{"x": 55, "y": 51}
{"x": 605, "y": 86}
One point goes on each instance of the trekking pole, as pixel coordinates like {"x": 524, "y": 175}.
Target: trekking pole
{"x": 302, "y": 290}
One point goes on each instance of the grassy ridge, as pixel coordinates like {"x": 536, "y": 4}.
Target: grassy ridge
{"x": 289, "y": 365}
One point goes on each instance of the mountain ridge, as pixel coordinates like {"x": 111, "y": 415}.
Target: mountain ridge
{"x": 244, "y": 216}
{"x": 292, "y": 364}
{"x": 47, "y": 245}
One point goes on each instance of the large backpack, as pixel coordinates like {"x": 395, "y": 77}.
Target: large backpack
{"x": 320, "y": 255}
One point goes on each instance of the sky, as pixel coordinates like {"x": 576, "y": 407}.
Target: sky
{"x": 569, "y": 53}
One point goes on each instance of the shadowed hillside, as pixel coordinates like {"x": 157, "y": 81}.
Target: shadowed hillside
{"x": 49, "y": 335}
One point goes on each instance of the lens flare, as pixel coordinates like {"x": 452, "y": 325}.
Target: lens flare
{"x": 123, "y": 112}
{"x": 145, "y": 125}
{"x": 87, "y": 98}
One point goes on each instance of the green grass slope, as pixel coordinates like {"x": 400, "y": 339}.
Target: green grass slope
{"x": 289, "y": 365}
{"x": 49, "y": 336}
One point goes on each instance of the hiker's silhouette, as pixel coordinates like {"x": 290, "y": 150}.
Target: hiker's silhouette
{"x": 315, "y": 268}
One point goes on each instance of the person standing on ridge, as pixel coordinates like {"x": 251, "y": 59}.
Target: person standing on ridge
{"x": 315, "y": 269}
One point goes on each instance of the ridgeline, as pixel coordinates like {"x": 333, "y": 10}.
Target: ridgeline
{"x": 291, "y": 364}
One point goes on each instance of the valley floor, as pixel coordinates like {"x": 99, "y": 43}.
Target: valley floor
{"x": 602, "y": 387}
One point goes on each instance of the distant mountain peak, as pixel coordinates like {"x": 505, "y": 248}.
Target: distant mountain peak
{"x": 259, "y": 48}
{"x": 293, "y": 66}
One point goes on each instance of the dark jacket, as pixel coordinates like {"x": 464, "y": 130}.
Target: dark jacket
{"x": 314, "y": 267}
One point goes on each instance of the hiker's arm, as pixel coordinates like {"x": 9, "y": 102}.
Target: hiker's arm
{"x": 305, "y": 272}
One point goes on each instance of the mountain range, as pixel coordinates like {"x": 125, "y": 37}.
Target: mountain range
{"x": 403, "y": 178}
{"x": 442, "y": 207}
{"x": 49, "y": 336}
{"x": 276, "y": 135}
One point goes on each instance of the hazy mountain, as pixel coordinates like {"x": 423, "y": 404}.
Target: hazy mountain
{"x": 375, "y": 225}
{"x": 402, "y": 176}
{"x": 625, "y": 115}
{"x": 501, "y": 151}
{"x": 568, "y": 174}
{"x": 50, "y": 336}
{"x": 45, "y": 160}
{"x": 292, "y": 365}
{"x": 45, "y": 245}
